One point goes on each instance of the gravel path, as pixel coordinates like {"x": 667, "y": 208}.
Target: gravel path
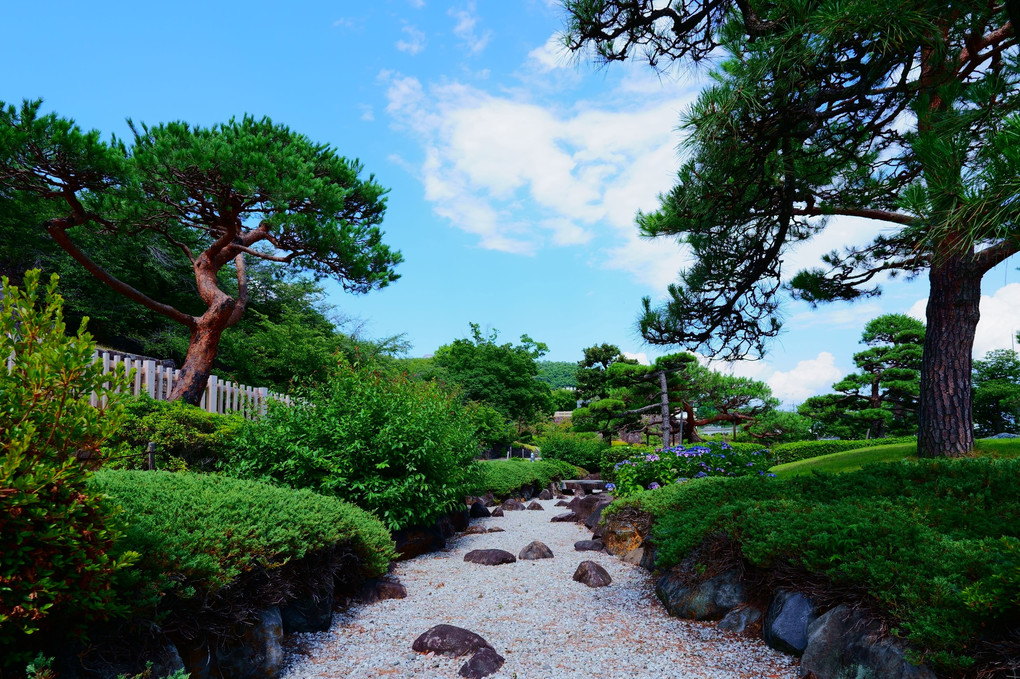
{"x": 532, "y": 613}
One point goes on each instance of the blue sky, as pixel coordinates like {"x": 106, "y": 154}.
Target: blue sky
{"x": 515, "y": 172}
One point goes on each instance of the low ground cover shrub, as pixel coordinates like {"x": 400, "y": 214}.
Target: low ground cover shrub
{"x": 186, "y": 436}
{"x": 682, "y": 463}
{"x": 581, "y": 449}
{"x": 196, "y": 534}
{"x": 400, "y": 448}
{"x": 504, "y": 477}
{"x": 801, "y": 450}
{"x": 56, "y": 535}
{"x": 933, "y": 543}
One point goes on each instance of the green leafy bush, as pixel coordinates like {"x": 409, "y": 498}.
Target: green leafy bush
{"x": 504, "y": 477}
{"x": 400, "y": 448}
{"x": 56, "y": 535}
{"x": 185, "y": 436}
{"x": 933, "y": 542}
{"x": 802, "y": 450}
{"x": 579, "y": 449}
{"x": 198, "y": 532}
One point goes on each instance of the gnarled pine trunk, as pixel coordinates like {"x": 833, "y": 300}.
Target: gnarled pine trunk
{"x": 945, "y": 418}
{"x": 205, "y": 340}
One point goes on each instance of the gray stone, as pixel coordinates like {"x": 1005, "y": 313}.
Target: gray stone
{"x": 498, "y": 511}
{"x": 787, "y": 621}
{"x": 562, "y": 503}
{"x": 589, "y": 546}
{"x": 535, "y": 550}
{"x": 478, "y": 510}
{"x": 258, "y": 654}
{"x": 418, "y": 540}
{"x": 565, "y": 517}
{"x": 475, "y": 529}
{"x": 738, "y": 619}
{"x": 495, "y": 529}
{"x": 584, "y": 505}
{"x": 513, "y": 505}
{"x": 449, "y": 639}
{"x": 536, "y": 506}
{"x": 592, "y": 574}
{"x": 489, "y": 557}
{"x": 707, "y": 600}
{"x": 484, "y": 662}
{"x": 635, "y": 556}
{"x": 843, "y": 643}
{"x": 546, "y": 494}
{"x": 489, "y": 500}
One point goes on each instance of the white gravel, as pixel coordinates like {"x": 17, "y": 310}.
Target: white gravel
{"x": 533, "y": 614}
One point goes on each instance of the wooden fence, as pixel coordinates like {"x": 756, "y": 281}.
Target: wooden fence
{"x": 156, "y": 378}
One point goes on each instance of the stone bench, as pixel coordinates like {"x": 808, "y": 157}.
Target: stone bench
{"x": 584, "y": 485}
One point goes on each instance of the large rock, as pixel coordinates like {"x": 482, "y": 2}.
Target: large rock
{"x": 589, "y": 546}
{"x": 258, "y": 654}
{"x": 378, "y": 589}
{"x": 685, "y": 597}
{"x": 546, "y": 494}
{"x": 535, "y": 550}
{"x": 484, "y": 662}
{"x": 536, "y": 506}
{"x": 583, "y": 506}
{"x": 740, "y": 619}
{"x": 489, "y": 557}
{"x": 625, "y": 530}
{"x": 843, "y": 643}
{"x": 596, "y": 514}
{"x": 460, "y": 519}
{"x": 308, "y": 613}
{"x": 412, "y": 542}
{"x": 787, "y": 621}
{"x": 512, "y": 505}
{"x": 489, "y": 500}
{"x": 565, "y": 517}
{"x": 498, "y": 511}
{"x": 478, "y": 510}
{"x": 562, "y": 503}
{"x": 592, "y": 574}
{"x": 449, "y": 639}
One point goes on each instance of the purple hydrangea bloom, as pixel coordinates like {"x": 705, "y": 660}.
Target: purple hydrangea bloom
{"x": 700, "y": 475}
{"x": 653, "y": 486}
{"x": 610, "y": 486}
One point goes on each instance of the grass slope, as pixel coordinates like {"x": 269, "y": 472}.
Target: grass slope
{"x": 852, "y": 460}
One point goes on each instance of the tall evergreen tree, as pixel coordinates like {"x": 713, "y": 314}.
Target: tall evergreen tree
{"x": 997, "y": 393}
{"x": 215, "y": 197}
{"x": 902, "y": 112}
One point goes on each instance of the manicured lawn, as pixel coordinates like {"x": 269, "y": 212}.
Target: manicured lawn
{"x": 852, "y": 460}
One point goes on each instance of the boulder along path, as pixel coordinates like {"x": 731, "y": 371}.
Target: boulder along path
{"x": 532, "y": 612}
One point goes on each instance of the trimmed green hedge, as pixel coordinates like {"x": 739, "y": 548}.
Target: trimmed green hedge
{"x": 935, "y": 543}
{"x": 198, "y": 533}
{"x": 802, "y": 450}
{"x": 504, "y": 477}
{"x": 581, "y": 449}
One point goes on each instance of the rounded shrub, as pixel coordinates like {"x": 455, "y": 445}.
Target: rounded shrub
{"x": 400, "y": 448}
{"x": 579, "y": 449}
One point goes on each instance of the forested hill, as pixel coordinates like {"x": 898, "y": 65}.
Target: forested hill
{"x": 557, "y": 374}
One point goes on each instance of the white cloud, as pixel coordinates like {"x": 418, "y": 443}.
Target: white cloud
{"x": 522, "y": 176}
{"x": 417, "y": 4}
{"x": 550, "y": 56}
{"x": 367, "y": 113}
{"x": 851, "y": 316}
{"x": 414, "y": 43}
{"x": 807, "y": 378}
{"x": 466, "y": 26}
{"x": 999, "y": 322}
{"x": 639, "y": 356}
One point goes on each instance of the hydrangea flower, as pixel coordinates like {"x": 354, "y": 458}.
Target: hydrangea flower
{"x": 610, "y": 486}
{"x": 655, "y": 486}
